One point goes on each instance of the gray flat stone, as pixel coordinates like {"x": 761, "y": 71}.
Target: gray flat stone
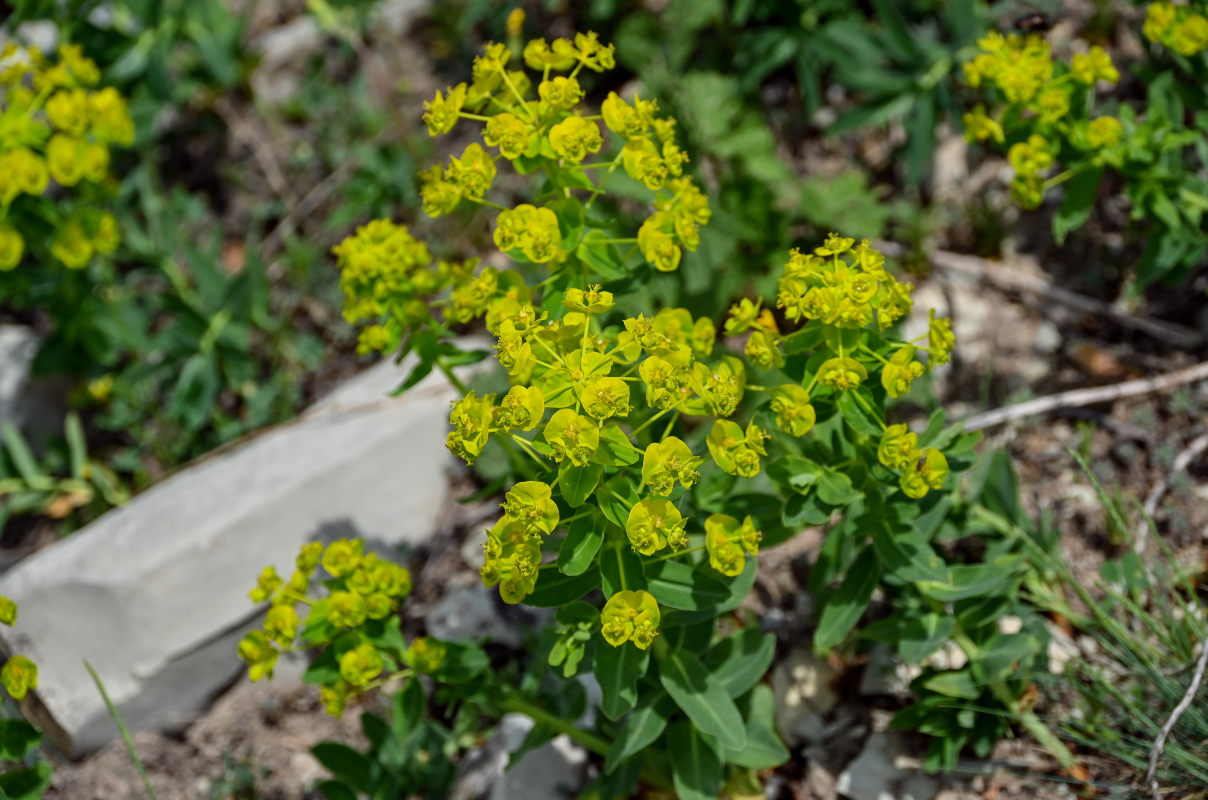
{"x": 35, "y": 405}
{"x": 154, "y": 594}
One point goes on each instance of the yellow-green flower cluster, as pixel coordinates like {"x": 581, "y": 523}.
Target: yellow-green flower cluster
{"x": 386, "y": 275}
{"x": 363, "y": 588}
{"x": 843, "y": 284}
{"x": 55, "y": 125}
{"x": 1042, "y": 100}
{"x": 528, "y": 119}
{"x": 654, "y": 524}
{"x": 920, "y": 469}
{"x": 728, "y": 541}
{"x": 19, "y": 675}
{"x": 513, "y": 544}
{"x": 1182, "y": 28}
{"x": 630, "y": 616}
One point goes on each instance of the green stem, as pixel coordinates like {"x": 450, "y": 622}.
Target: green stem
{"x": 589, "y": 740}
{"x": 675, "y": 553}
{"x": 648, "y": 422}
{"x": 121, "y": 726}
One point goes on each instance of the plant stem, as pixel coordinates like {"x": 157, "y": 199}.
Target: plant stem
{"x": 121, "y": 726}
{"x": 596, "y": 744}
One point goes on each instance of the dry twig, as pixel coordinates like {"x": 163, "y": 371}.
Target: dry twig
{"x": 1159, "y": 743}
{"x": 1181, "y": 461}
{"x": 1086, "y": 397}
{"x": 262, "y": 151}
{"x": 998, "y": 274}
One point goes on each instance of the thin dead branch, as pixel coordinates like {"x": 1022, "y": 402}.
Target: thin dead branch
{"x": 1003, "y": 278}
{"x": 1181, "y": 462}
{"x": 1086, "y": 397}
{"x": 1155, "y": 752}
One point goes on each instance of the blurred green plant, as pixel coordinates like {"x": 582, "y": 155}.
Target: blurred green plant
{"x": 1048, "y": 112}
{"x": 1144, "y": 621}
{"x": 63, "y": 481}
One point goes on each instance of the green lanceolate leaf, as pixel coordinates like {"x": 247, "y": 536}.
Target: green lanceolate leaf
{"x": 463, "y": 662}
{"x": 602, "y": 256}
{"x": 620, "y": 568}
{"x": 923, "y": 636}
{"x": 615, "y": 448}
{"x": 678, "y": 585}
{"x": 764, "y": 749}
{"x": 738, "y": 661}
{"x": 350, "y": 766}
{"x": 642, "y": 727}
{"x": 17, "y": 738}
{"x": 617, "y": 670}
{"x": 908, "y": 556}
{"x": 696, "y": 767}
{"x": 408, "y": 708}
{"x": 335, "y": 790}
{"x": 953, "y": 684}
{"x": 26, "y": 784}
{"x": 581, "y": 544}
{"x": 577, "y": 483}
{"x": 703, "y": 699}
{"x": 615, "y": 498}
{"x": 973, "y": 580}
{"x": 556, "y": 589}
{"x": 849, "y": 602}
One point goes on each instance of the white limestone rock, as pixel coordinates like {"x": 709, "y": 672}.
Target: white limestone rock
{"x": 154, "y": 594}
{"x": 801, "y": 685}
{"x": 883, "y": 772}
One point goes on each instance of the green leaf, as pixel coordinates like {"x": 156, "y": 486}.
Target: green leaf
{"x": 20, "y": 454}
{"x": 703, "y": 699}
{"x": 555, "y": 589}
{"x": 324, "y": 669}
{"x": 27, "y": 784}
{"x": 738, "y": 661}
{"x": 849, "y": 602}
{"x": 924, "y": 635}
{"x": 854, "y": 414}
{"x": 908, "y": 556}
{"x": 678, "y": 585}
{"x": 577, "y": 483}
{"x": 463, "y": 662}
{"x": 1079, "y": 200}
{"x": 620, "y": 568}
{"x": 570, "y": 213}
{"x": 797, "y": 473}
{"x": 615, "y": 498}
{"x": 617, "y": 670}
{"x": 642, "y": 727}
{"x": 953, "y": 683}
{"x": 973, "y": 580}
{"x": 409, "y": 705}
{"x": 696, "y": 767}
{"x": 17, "y": 738}
{"x": 1002, "y": 653}
{"x": 801, "y": 511}
{"x": 615, "y": 449}
{"x": 350, "y": 766}
{"x": 581, "y": 544}
{"x": 835, "y": 487}
{"x": 764, "y": 749}
{"x": 601, "y": 256}
{"x": 334, "y": 790}
{"x": 76, "y": 448}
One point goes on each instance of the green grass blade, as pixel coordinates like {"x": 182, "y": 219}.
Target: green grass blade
{"x": 121, "y": 726}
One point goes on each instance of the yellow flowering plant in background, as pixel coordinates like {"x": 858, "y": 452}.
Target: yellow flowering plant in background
{"x": 1059, "y": 126}
{"x": 652, "y": 453}
{"x": 57, "y": 127}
